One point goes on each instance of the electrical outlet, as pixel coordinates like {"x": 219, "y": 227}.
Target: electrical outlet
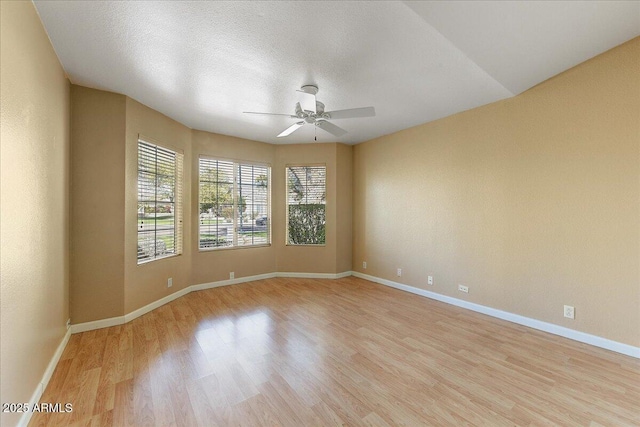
{"x": 232, "y": 275}
{"x": 463, "y": 288}
{"x": 430, "y": 280}
{"x": 569, "y": 312}
{"x": 68, "y": 323}
{"x": 364, "y": 265}
{"x": 169, "y": 282}
{"x": 399, "y": 272}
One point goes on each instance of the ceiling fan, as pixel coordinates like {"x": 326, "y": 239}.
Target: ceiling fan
{"x": 311, "y": 111}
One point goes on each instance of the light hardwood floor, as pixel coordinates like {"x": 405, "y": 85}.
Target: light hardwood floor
{"x": 303, "y": 352}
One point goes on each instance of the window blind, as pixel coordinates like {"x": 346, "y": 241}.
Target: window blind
{"x": 253, "y": 204}
{"x": 160, "y": 176}
{"x": 234, "y": 203}
{"x": 306, "y": 200}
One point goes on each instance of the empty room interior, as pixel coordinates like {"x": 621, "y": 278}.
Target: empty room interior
{"x": 320, "y": 213}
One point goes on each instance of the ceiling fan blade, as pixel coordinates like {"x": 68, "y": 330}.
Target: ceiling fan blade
{"x": 307, "y": 101}
{"x": 269, "y": 114}
{"x": 291, "y": 129}
{"x": 352, "y": 113}
{"x": 331, "y": 128}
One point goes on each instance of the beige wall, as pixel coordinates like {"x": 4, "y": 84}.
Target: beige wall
{"x": 344, "y": 207}
{"x": 532, "y": 202}
{"x": 534, "y": 196}
{"x": 208, "y": 266}
{"x": 97, "y": 204}
{"x": 34, "y": 111}
{"x": 106, "y": 280}
{"x": 146, "y": 283}
{"x": 309, "y": 259}
{"x": 215, "y": 265}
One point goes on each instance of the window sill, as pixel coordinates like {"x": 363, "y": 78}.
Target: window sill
{"x": 148, "y": 261}
{"x": 232, "y": 248}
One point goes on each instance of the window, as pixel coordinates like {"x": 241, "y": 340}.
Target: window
{"x": 234, "y": 201}
{"x": 159, "y": 202}
{"x": 306, "y": 200}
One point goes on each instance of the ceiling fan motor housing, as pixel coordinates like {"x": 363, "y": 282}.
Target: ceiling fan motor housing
{"x": 310, "y": 116}
{"x": 312, "y": 89}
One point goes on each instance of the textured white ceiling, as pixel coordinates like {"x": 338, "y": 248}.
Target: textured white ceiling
{"x": 203, "y": 63}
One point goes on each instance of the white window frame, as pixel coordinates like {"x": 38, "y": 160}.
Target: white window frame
{"x": 236, "y": 200}
{"x": 156, "y": 251}
{"x": 287, "y": 237}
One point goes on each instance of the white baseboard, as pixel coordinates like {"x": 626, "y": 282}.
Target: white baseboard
{"x": 583, "y": 337}
{"x": 344, "y": 274}
{"x": 121, "y": 320}
{"x": 158, "y": 303}
{"x": 314, "y": 275}
{"x": 46, "y": 377}
{"x": 97, "y": 324}
{"x": 228, "y": 282}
